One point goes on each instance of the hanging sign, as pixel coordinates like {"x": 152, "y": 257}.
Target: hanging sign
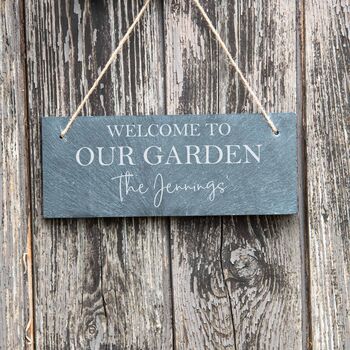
{"x": 169, "y": 166}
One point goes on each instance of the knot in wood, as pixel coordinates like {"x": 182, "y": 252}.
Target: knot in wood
{"x": 91, "y": 330}
{"x": 245, "y": 266}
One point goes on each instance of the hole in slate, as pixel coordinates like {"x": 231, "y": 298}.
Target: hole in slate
{"x": 277, "y": 133}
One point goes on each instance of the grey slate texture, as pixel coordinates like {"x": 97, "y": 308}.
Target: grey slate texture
{"x": 255, "y": 174}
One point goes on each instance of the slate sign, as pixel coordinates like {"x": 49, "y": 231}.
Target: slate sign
{"x": 169, "y": 166}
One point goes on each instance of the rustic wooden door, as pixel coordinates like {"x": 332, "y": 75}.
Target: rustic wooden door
{"x": 183, "y": 283}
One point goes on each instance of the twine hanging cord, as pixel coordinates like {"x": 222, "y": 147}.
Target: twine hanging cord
{"x": 125, "y": 39}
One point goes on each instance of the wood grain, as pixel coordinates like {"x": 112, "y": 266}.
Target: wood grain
{"x": 328, "y": 125}
{"x": 261, "y": 256}
{"x": 99, "y": 283}
{"x": 237, "y": 281}
{"x": 14, "y": 189}
{"x": 202, "y": 312}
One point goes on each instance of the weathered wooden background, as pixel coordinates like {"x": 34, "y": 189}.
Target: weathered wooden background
{"x": 184, "y": 283}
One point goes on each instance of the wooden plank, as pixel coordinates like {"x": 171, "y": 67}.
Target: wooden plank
{"x": 14, "y": 189}
{"x": 237, "y": 281}
{"x": 327, "y": 26}
{"x": 262, "y": 255}
{"x": 99, "y": 283}
{"x": 202, "y": 313}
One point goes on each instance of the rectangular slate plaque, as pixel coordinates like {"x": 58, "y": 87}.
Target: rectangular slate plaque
{"x": 169, "y": 166}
